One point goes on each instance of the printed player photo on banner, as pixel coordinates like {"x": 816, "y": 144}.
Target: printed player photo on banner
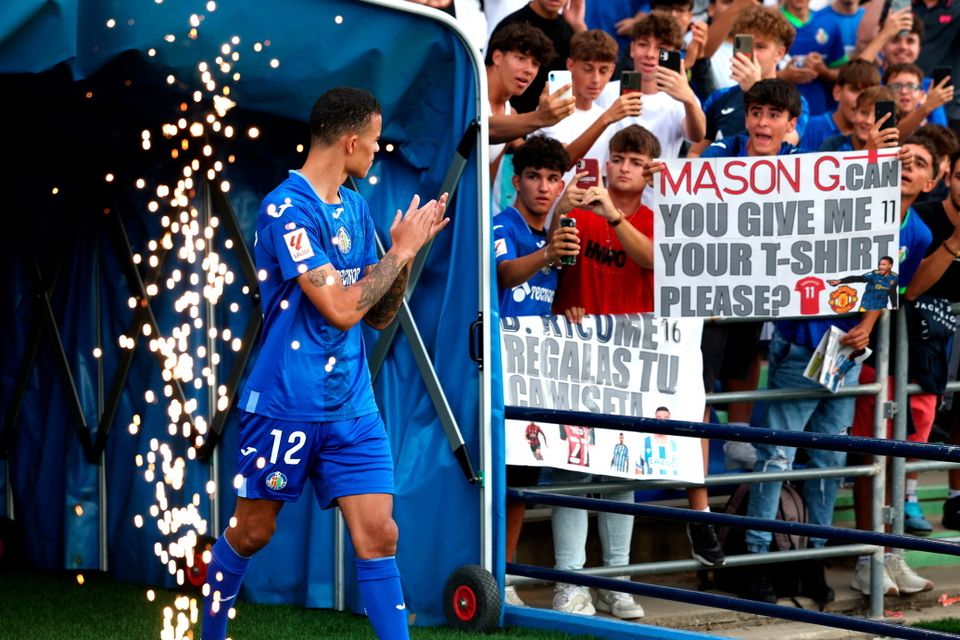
{"x": 626, "y": 365}
{"x": 814, "y": 234}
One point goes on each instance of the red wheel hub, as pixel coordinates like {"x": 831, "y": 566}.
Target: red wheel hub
{"x": 465, "y": 603}
{"x": 197, "y": 574}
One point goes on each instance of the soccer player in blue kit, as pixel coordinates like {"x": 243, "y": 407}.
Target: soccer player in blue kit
{"x": 308, "y": 411}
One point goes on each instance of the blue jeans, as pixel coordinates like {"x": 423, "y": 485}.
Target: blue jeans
{"x": 831, "y": 416}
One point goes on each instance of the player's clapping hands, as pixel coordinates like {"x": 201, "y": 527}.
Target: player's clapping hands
{"x": 413, "y": 229}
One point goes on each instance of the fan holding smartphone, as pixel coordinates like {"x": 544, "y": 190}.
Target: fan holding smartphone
{"x": 671, "y": 111}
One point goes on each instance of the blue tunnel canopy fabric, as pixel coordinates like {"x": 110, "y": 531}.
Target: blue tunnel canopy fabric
{"x": 85, "y": 78}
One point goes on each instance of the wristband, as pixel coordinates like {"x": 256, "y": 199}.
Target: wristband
{"x": 614, "y": 223}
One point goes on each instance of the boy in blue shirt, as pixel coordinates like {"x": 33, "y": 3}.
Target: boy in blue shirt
{"x": 308, "y": 411}
{"x": 525, "y": 254}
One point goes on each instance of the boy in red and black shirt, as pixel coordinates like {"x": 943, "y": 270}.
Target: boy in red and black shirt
{"x": 614, "y": 271}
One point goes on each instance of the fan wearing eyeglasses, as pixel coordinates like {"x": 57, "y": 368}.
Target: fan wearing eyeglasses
{"x": 906, "y": 81}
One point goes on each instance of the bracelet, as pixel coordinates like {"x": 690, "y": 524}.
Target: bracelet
{"x": 955, "y": 254}
{"x": 614, "y": 223}
{"x": 547, "y": 260}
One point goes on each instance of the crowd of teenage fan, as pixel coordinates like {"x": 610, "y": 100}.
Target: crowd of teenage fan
{"x": 810, "y": 84}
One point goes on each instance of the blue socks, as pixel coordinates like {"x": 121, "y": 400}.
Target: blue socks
{"x": 382, "y": 596}
{"x": 229, "y": 567}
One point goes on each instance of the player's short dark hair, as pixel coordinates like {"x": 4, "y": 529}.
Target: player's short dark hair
{"x": 594, "y": 45}
{"x": 775, "y": 93}
{"x": 887, "y": 258}
{"x": 540, "y": 152}
{"x": 663, "y": 409}
{"x": 901, "y": 67}
{"x": 766, "y": 22}
{"x": 859, "y": 73}
{"x": 944, "y": 139}
{"x": 662, "y": 26}
{"x": 635, "y": 139}
{"x": 340, "y": 111}
{"x": 523, "y": 38}
{"x": 926, "y": 143}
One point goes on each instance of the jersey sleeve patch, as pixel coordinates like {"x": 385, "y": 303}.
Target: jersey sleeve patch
{"x": 298, "y": 244}
{"x": 500, "y": 246}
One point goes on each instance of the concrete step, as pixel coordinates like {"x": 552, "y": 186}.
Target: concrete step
{"x": 899, "y": 609}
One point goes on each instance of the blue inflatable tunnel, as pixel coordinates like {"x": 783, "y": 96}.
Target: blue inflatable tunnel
{"x": 141, "y": 138}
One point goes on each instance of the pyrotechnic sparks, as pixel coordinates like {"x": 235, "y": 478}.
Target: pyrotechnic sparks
{"x": 188, "y": 275}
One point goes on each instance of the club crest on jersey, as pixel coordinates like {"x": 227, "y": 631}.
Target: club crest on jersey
{"x": 276, "y": 481}
{"x": 343, "y": 241}
{"x": 298, "y": 244}
{"x": 822, "y": 36}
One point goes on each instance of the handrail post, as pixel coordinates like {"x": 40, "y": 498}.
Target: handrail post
{"x": 878, "y": 501}
{"x": 900, "y": 381}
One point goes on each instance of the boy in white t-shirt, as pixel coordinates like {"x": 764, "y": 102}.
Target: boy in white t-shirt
{"x": 671, "y": 111}
{"x": 586, "y": 133}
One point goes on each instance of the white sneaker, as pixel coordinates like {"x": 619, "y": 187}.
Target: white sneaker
{"x": 510, "y": 597}
{"x": 906, "y": 578}
{"x": 861, "y": 580}
{"x": 572, "y": 598}
{"x": 621, "y": 605}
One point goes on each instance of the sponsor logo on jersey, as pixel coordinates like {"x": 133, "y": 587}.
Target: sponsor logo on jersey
{"x": 275, "y": 212}
{"x": 344, "y": 243}
{"x": 350, "y": 276}
{"x": 298, "y": 244}
{"x": 276, "y": 481}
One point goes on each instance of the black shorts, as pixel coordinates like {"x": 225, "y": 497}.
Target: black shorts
{"x": 728, "y": 350}
{"x": 519, "y": 476}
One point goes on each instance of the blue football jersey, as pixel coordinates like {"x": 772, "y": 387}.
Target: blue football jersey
{"x": 819, "y": 129}
{"x": 513, "y": 238}
{"x": 726, "y": 114}
{"x": 736, "y": 147}
{"x": 822, "y": 34}
{"x": 308, "y": 369}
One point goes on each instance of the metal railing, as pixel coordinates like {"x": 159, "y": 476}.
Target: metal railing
{"x": 932, "y": 457}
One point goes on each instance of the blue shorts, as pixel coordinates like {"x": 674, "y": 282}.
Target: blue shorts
{"x": 341, "y": 458}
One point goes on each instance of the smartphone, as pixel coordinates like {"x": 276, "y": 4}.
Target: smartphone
{"x": 670, "y": 59}
{"x": 557, "y": 79}
{"x": 940, "y": 73}
{"x": 897, "y": 5}
{"x": 743, "y": 43}
{"x": 592, "y": 167}
{"x": 630, "y": 82}
{"x": 882, "y": 108}
{"x": 568, "y": 222}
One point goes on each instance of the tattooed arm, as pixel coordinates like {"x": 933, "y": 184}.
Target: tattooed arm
{"x": 344, "y": 306}
{"x": 383, "y": 312}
